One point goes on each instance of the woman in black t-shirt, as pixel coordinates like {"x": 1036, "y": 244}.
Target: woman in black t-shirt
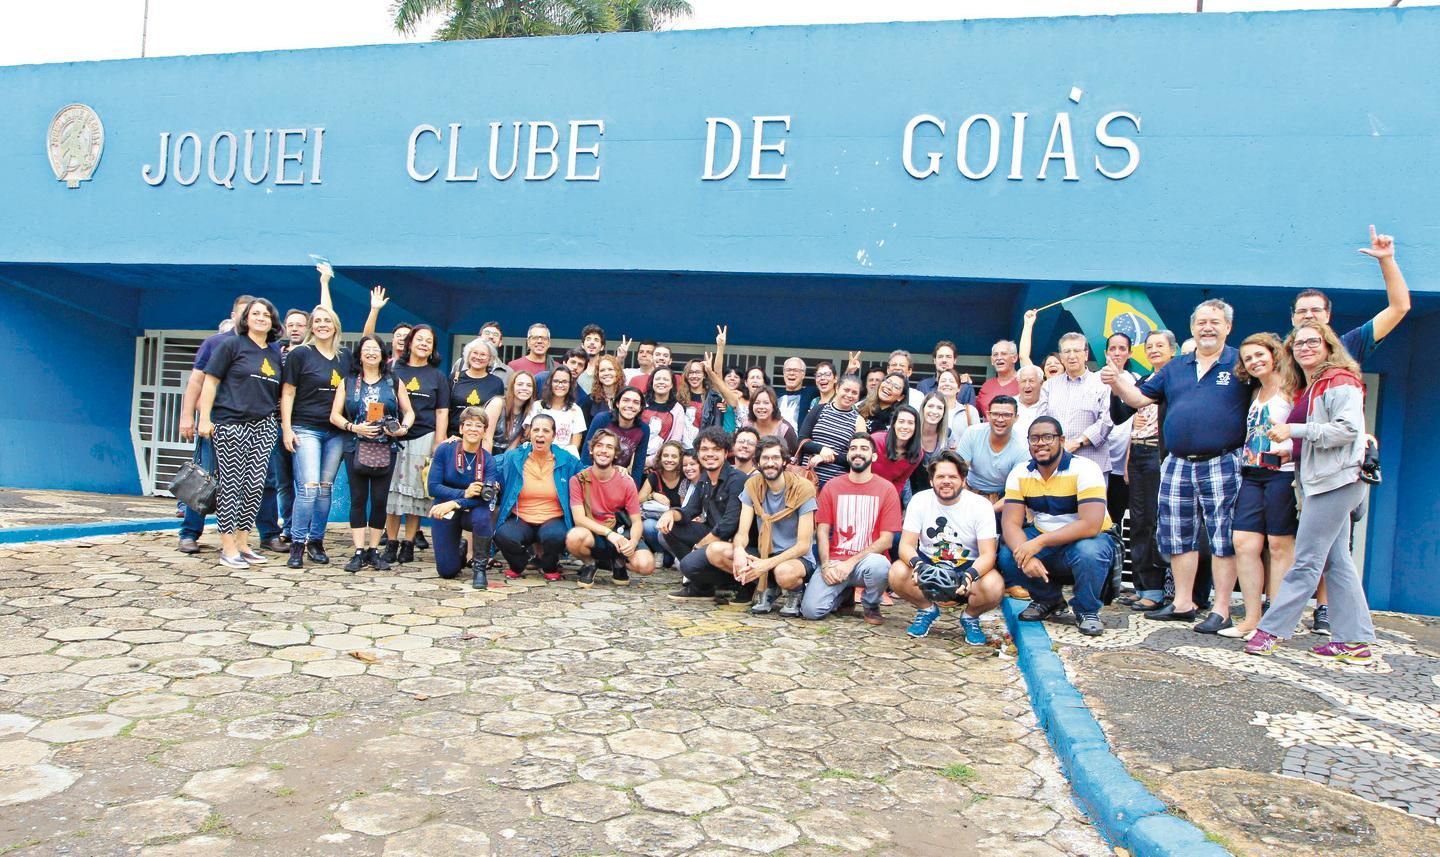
{"x": 237, "y": 410}
{"x": 664, "y": 489}
{"x": 367, "y": 400}
{"x": 417, "y": 370}
{"x": 312, "y": 373}
{"x": 474, "y": 384}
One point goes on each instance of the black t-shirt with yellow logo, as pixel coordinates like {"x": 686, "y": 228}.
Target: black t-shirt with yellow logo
{"x": 429, "y": 391}
{"x": 467, "y": 391}
{"x": 315, "y": 378}
{"x": 249, "y": 381}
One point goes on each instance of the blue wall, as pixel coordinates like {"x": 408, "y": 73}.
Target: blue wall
{"x": 1254, "y": 169}
{"x": 1258, "y": 176}
{"x": 66, "y": 421}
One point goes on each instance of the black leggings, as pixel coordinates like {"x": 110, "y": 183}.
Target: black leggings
{"x": 365, "y": 487}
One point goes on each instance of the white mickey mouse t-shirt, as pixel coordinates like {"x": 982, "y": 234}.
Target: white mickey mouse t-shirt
{"x": 950, "y": 532}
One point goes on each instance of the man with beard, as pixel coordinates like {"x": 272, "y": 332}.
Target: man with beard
{"x": 1003, "y": 356}
{"x": 780, "y": 507}
{"x": 944, "y": 357}
{"x": 743, "y": 449}
{"x": 631, "y": 432}
{"x": 947, "y": 524}
{"x": 1066, "y": 495}
{"x": 537, "y": 346}
{"x": 1204, "y": 428}
{"x": 711, "y": 514}
{"x": 858, "y": 516}
{"x": 597, "y": 495}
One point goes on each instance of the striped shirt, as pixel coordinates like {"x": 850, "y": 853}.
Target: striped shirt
{"x": 1082, "y": 405}
{"x": 832, "y": 428}
{"x": 1056, "y": 501}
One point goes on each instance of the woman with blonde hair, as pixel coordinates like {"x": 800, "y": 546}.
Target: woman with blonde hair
{"x": 1328, "y": 427}
{"x": 1265, "y": 507}
{"x": 312, "y": 372}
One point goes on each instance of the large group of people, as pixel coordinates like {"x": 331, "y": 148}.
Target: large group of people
{"x": 836, "y": 495}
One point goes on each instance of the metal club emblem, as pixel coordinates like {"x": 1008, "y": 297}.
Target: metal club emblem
{"x": 75, "y": 141}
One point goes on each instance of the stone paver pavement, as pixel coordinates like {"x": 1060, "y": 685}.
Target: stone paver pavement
{"x": 157, "y": 704}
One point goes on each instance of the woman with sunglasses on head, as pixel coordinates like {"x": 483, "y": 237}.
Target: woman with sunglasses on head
{"x": 372, "y": 408}
{"x": 878, "y": 409}
{"x": 1265, "y": 513}
{"x": 1328, "y": 429}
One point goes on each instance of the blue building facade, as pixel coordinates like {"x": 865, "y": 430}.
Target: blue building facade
{"x": 871, "y": 186}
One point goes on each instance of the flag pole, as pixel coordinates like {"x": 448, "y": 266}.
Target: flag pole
{"x": 1071, "y": 298}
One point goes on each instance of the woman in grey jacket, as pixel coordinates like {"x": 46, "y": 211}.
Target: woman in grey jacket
{"x": 1328, "y": 426}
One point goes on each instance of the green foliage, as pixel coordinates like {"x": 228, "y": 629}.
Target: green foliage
{"x": 499, "y": 19}
{"x": 958, "y": 773}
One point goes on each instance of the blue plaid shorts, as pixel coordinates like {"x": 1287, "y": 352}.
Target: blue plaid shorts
{"x": 1192, "y": 491}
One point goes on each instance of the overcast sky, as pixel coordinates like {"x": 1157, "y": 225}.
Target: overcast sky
{"x": 109, "y": 29}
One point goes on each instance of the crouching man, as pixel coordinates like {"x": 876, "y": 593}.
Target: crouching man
{"x": 604, "y": 505}
{"x": 780, "y": 508}
{"x": 948, "y": 547}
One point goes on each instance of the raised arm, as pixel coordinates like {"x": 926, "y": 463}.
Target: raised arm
{"x": 378, "y": 300}
{"x": 1382, "y": 249}
{"x": 1027, "y": 338}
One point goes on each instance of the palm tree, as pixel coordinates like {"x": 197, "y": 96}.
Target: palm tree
{"x": 495, "y": 19}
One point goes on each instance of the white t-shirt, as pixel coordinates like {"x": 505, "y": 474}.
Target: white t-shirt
{"x": 950, "y": 532}
{"x": 569, "y": 424}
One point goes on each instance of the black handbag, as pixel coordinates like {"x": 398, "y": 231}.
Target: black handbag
{"x": 196, "y": 487}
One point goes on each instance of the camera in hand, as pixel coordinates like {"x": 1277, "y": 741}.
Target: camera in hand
{"x": 489, "y": 491}
{"x": 391, "y": 425}
{"x": 1370, "y": 465}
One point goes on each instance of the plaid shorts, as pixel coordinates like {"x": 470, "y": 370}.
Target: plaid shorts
{"x": 1192, "y": 491}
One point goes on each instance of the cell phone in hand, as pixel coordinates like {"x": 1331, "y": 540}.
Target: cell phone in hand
{"x": 1270, "y": 459}
{"x": 374, "y": 412}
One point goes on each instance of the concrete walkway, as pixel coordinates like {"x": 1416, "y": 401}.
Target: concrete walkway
{"x": 158, "y": 704}
{"x": 23, "y": 508}
{"x": 1284, "y": 755}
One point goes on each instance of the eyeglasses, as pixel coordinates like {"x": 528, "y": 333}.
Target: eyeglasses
{"x": 1001, "y": 415}
{"x": 1309, "y": 342}
{"x": 1072, "y": 351}
{"x": 1308, "y": 312}
{"x": 1043, "y": 438}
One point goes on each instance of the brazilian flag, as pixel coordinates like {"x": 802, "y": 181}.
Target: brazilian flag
{"x": 1116, "y": 309}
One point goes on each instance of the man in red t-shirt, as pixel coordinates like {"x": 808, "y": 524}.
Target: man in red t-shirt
{"x": 597, "y": 493}
{"x": 857, "y": 519}
{"x": 537, "y": 345}
{"x": 1003, "y": 356}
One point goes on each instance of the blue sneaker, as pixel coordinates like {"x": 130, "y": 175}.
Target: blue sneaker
{"x": 923, "y": 620}
{"x": 974, "y": 636}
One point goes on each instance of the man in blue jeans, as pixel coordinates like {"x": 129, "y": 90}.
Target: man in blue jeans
{"x": 1069, "y": 538}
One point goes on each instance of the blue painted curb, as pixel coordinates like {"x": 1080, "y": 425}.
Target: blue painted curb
{"x": 58, "y": 532}
{"x": 1120, "y": 806}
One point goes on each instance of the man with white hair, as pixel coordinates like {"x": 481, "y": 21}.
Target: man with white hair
{"x": 1203, "y": 428}
{"x": 1028, "y": 380}
{"x": 1079, "y": 400}
{"x": 1003, "y": 356}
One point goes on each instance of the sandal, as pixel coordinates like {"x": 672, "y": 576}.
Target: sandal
{"x": 1145, "y": 604}
{"x": 1127, "y": 599}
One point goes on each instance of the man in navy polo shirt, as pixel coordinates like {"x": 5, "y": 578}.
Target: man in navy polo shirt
{"x": 1204, "y": 429}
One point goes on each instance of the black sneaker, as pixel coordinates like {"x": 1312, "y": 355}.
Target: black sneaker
{"x": 586, "y": 578}
{"x": 391, "y": 548}
{"x": 690, "y": 592}
{"x": 315, "y": 552}
{"x": 377, "y": 560}
{"x": 357, "y": 561}
{"x": 406, "y": 552}
{"x": 297, "y": 556}
{"x": 621, "y": 575}
{"x": 1320, "y": 620}
{"x": 421, "y": 543}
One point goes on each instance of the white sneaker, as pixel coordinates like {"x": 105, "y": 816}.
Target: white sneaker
{"x": 236, "y": 561}
{"x": 252, "y": 557}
